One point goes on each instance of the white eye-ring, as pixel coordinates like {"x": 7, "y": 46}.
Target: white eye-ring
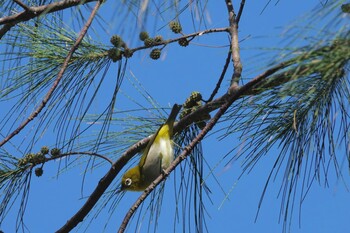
{"x": 128, "y": 182}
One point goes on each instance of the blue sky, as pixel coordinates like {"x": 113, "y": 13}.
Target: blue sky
{"x": 170, "y": 80}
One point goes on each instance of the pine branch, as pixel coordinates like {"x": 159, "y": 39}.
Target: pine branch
{"x": 240, "y": 11}
{"x": 237, "y": 65}
{"x": 311, "y": 61}
{"x": 302, "y": 109}
{"x": 223, "y": 72}
{"x": 49, "y": 51}
{"x": 58, "y": 79}
{"x": 33, "y": 12}
{"x": 187, "y": 36}
{"x": 24, "y": 6}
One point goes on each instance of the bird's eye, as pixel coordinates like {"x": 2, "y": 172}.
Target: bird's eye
{"x": 128, "y": 182}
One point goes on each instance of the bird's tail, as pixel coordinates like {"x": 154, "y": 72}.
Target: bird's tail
{"x": 174, "y": 111}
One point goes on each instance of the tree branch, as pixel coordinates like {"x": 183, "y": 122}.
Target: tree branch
{"x": 237, "y": 65}
{"x": 58, "y": 79}
{"x": 191, "y": 35}
{"x": 29, "y": 165}
{"x": 5, "y": 29}
{"x": 218, "y": 84}
{"x": 240, "y": 11}
{"x": 32, "y": 12}
{"x": 21, "y": 4}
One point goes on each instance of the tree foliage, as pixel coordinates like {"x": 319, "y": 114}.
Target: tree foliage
{"x": 56, "y": 69}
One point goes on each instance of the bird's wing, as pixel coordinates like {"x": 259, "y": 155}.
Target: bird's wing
{"x": 170, "y": 121}
{"x": 146, "y": 150}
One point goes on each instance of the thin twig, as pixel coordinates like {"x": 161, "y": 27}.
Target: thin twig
{"x": 66, "y": 155}
{"x": 218, "y": 84}
{"x": 240, "y": 11}
{"x": 58, "y": 79}
{"x": 21, "y": 4}
{"x": 192, "y": 35}
{"x": 83, "y": 153}
{"x": 237, "y": 65}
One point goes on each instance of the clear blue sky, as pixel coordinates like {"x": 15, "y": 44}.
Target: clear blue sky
{"x": 171, "y": 79}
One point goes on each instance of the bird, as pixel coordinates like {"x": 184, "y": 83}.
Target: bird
{"x": 156, "y": 157}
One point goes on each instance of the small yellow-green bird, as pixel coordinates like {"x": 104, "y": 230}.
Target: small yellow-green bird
{"x": 156, "y": 157}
